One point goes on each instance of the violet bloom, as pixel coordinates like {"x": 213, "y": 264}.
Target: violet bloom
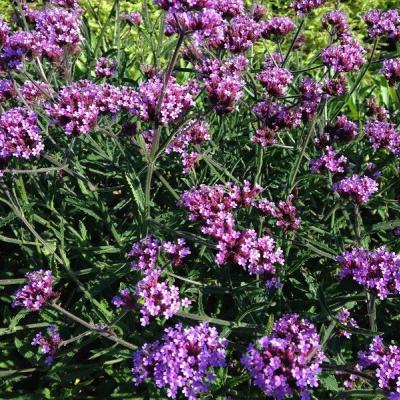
{"x": 330, "y": 161}
{"x": 183, "y": 5}
{"x": 258, "y": 12}
{"x": 35, "y": 92}
{"x": 189, "y": 161}
{"x": 48, "y": 344}
{"x": 177, "y": 100}
{"x": 310, "y": 98}
{"x": 275, "y": 80}
{"x": 182, "y": 361}
{"x": 37, "y": 292}
{"x": 305, "y": 6}
{"x": 157, "y": 299}
{"x": 7, "y": 90}
{"x": 265, "y": 137}
{"x": 65, "y": 4}
{"x": 335, "y": 86}
{"x": 385, "y": 360}
{"x": 380, "y": 113}
{"x": 241, "y": 34}
{"x": 336, "y": 19}
{"x": 277, "y": 27}
{"x": 4, "y": 31}
{"x": 384, "y": 135}
{"x": 176, "y": 252}
{"x": 377, "y": 271}
{"x": 19, "y": 134}
{"x": 145, "y": 254}
{"x": 288, "y": 360}
{"x": 359, "y": 188}
{"x": 228, "y": 8}
{"x": 383, "y": 23}
{"x": 105, "y": 67}
{"x": 285, "y": 213}
{"x": 134, "y": 18}
{"x": 391, "y": 71}
{"x": 344, "y": 318}
{"x": 397, "y": 231}
{"x": 342, "y": 131}
{"x": 348, "y": 56}
{"x": 259, "y": 256}
{"x": 17, "y": 48}
{"x": 125, "y": 299}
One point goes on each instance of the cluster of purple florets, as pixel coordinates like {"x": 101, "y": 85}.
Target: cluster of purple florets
{"x": 213, "y": 207}
{"x": 356, "y": 187}
{"x": 19, "y": 134}
{"x": 182, "y": 361}
{"x": 155, "y": 297}
{"x": 378, "y": 271}
{"x": 329, "y": 161}
{"x": 288, "y": 360}
{"x": 7, "y": 90}
{"x": 383, "y": 23}
{"x": 383, "y": 135}
{"x": 37, "y": 292}
{"x": 391, "y": 71}
{"x": 275, "y": 80}
{"x": 49, "y": 344}
{"x": 346, "y": 320}
{"x": 105, "y": 67}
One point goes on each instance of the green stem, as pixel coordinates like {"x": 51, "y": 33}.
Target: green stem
{"x": 371, "y": 308}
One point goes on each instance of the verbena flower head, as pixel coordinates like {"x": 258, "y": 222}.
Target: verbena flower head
{"x": 182, "y": 361}
{"x": 241, "y": 34}
{"x": 335, "y": 86}
{"x": 265, "y": 137}
{"x": 229, "y": 8}
{"x": 7, "y": 90}
{"x": 385, "y": 360}
{"x": 275, "y": 80}
{"x": 157, "y": 299}
{"x": 35, "y": 92}
{"x": 19, "y": 134}
{"x": 48, "y": 344}
{"x": 126, "y": 300}
{"x": 376, "y": 111}
{"x": 134, "y": 18}
{"x": 383, "y": 23}
{"x": 330, "y": 161}
{"x": 177, "y": 100}
{"x": 176, "y": 252}
{"x": 183, "y": 5}
{"x": 383, "y": 135}
{"x": 105, "y": 67}
{"x": 377, "y": 271}
{"x": 4, "y": 31}
{"x": 288, "y": 360}
{"x": 348, "y": 56}
{"x": 277, "y": 27}
{"x": 145, "y": 254}
{"x": 258, "y": 12}
{"x": 336, "y": 19}
{"x": 37, "y": 292}
{"x": 345, "y": 319}
{"x": 305, "y": 6}
{"x": 310, "y": 98}
{"x": 17, "y": 48}
{"x": 359, "y": 188}
{"x": 391, "y": 71}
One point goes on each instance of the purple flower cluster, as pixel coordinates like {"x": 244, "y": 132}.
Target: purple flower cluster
{"x": 359, "y": 188}
{"x": 19, "y": 134}
{"x": 347, "y": 56}
{"x": 155, "y": 298}
{"x": 383, "y": 23}
{"x": 342, "y": 131}
{"x": 4, "y": 31}
{"x": 134, "y": 18}
{"x": 330, "y": 161}
{"x": 277, "y": 27}
{"x": 376, "y": 111}
{"x": 35, "y": 92}
{"x": 176, "y": 252}
{"x": 310, "y": 99}
{"x": 383, "y": 134}
{"x": 37, "y": 292}
{"x": 48, "y": 344}
{"x": 158, "y": 298}
{"x": 305, "y": 6}
{"x": 275, "y": 80}
{"x": 177, "y": 100}
{"x": 345, "y": 319}
{"x": 17, "y": 47}
{"x": 335, "y": 86}
{"x": 386, "y": 362}
{"x": 7, "y": 90}
{"x": 213, "y": 206}
{"x": 223, "y": 81}
{"x": 391, "y": 71}
{"x": 285, "y": 213}
{"x": 241, "y": 34}
{"x": 288, "y": 360}
{"x": 105, "y": 67}
{"x": 378, "y": 271}
{"x": 195, "y": 134}
{"x": 338, "y": 20}
{"x": 182, "y": 361}
{"x": 228, "y": 8}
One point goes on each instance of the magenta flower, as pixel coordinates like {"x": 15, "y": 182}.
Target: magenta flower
{"x": 35, "y": 92}
{"x": 338, "y": 20}
{"x": 344, "y": 318}
{"x": 383, "y": 23}
{"x": 305, "y": 6}
{"x": 378, "y": 271}
{"x": 288, "y": 360}
{"x": 275, "y": 80}
{"x": 4, "y": 31}
{"x": 105, "y": 67}
{"x": 383, "y": 135}
{"x": 330, "y": 161}
{"x": 391, "y": 71}
{"x": 176, "y": 252}
{"x": 145, "y": 254}
{"x": 335, "y": 86}
{"x": 265, "y": 137}
{"x": 7, "y": 90}
{"x": 48, "y": 344}
{"x": 277, "y": 27}
{"x": 359, "y": 188}
{"x": 241, "y": 34}
{"x": 182, "y": 361}
{"x": 37, "y": 292}
{"x": 126, "y": 300}
{"x": 134, "y": 18}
